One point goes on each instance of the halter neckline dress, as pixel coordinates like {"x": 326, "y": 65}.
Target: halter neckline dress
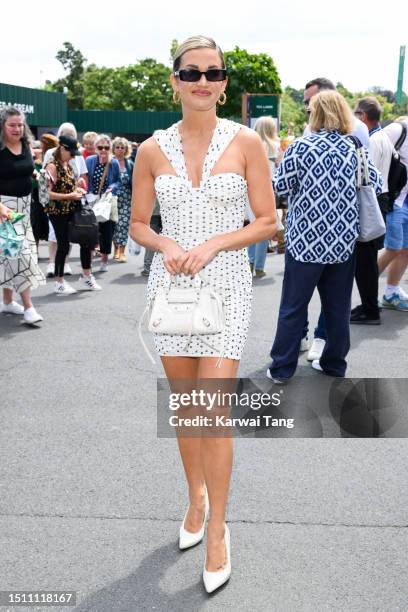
{"x": 190, "y": 216}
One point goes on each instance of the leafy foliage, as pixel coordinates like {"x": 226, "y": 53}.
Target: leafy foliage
{"x": 252, "y": 73}
{"x": 73, "y": 62}
{"x": 292, "y": 111}
{"x": 145, "y": 86}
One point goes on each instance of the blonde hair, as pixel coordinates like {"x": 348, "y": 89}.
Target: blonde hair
{"x": 196, "y": 42}
{"x": 266, "y": 128}
{"x": 89, "y": 137}
{"x": 330, "y": 111}
{"x": 122, "y": 141}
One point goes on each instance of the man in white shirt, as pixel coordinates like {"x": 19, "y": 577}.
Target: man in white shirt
{"x": 395, "y": 255}
{"x": 381, "y": 151}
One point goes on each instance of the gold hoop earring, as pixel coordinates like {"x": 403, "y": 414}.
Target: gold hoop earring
{"x": 224, "y": 99}
{"x": 176, "y": 97}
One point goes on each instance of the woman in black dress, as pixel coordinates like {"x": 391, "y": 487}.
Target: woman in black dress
{"x": 21, "y": 274}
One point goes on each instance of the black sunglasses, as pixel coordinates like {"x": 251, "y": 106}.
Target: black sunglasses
{"x": 101, "y": 148}
{"x": 192, "y": 76}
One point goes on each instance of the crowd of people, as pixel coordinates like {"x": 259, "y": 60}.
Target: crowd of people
{"x": 201, "y": 200}
{"x": 74, "y": 173}
{"x": 99, "y": 165}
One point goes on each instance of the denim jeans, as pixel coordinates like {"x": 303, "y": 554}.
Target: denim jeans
{"x": 257, "y": 254}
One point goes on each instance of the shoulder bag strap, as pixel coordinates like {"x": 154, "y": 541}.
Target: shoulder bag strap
{"x": 360, "y": 155}
{"x": 401, "y": 139}
{"x": 103, "y": 178}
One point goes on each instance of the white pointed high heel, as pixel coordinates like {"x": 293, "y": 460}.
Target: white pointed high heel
{"x": 213, "y": 580}
{"x": 188, "y": 539}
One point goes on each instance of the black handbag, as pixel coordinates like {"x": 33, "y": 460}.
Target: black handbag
{"x": 397, "y": 175}
{"x": 83, "y": 227}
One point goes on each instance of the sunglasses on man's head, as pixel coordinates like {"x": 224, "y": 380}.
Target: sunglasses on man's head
{"x": 191, "y": 75}
{"x": 101, "y": 148}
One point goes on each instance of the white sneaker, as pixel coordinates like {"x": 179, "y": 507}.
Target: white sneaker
{"x": 64, "y": 289}
{"x": 403, "y": 294}
{"x": 277, "y": 381}
{"x": 103, "y": 267}
{"x": 12, "y": 308}
{"x": 88, "y": 283}
{"x": 316, "y": 349}
{"x": 304, "y": 345}
{"x": 67, "y": 270}
{"x": 50, "y": 270}
{"x": 316, "y": 365}
{"x": 31, "y": 316}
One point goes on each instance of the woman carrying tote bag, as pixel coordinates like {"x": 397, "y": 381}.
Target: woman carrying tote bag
{"x": 104, "y": 177}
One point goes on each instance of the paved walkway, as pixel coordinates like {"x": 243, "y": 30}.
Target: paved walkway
{"x": 91, "y": 500}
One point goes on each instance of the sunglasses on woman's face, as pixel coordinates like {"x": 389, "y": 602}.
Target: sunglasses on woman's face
{"x": 191, "y": 75}
{"x": 103, "y": 148}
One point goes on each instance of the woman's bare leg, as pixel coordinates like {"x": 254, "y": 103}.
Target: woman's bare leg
{"x": 178, "y": 370}
{"x": 7, "y": 296}
{"x": 26, "y": 299}
{"x": 217, "y": 455}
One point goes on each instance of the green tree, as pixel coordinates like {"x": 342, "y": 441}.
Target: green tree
{"x": 73, "y": 62}
{"x": 143, "y": 86}
{"x": 252, "y": 73}
{"x": 173, "y": 49}
{"x": 292, "y": 112}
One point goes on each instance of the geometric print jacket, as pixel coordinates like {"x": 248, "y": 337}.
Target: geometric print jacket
{"x": 318, "y": 173}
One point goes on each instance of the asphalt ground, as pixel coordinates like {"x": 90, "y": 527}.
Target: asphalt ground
{"x": 91, "y": 500}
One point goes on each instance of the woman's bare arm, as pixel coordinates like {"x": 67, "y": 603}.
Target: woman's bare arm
{"x": 143, "y": 197}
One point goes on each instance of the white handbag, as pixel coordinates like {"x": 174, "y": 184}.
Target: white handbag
{"x": 102, "y": 208}
{"x": 371, "y": 219}
{"x": 186, "y": 311}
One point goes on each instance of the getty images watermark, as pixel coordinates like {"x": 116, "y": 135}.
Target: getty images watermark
{"x": 309, "y": 407}
{"x": 215, "y": 409}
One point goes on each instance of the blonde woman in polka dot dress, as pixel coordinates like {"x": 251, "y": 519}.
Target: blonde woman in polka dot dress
{"x": 203, "y": 171}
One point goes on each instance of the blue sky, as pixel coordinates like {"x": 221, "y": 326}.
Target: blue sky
{"x": 349, "y": 42}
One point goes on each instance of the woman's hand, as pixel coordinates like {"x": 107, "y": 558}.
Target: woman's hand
{"x": 194, "y": 260}
{"x": 81, "y": 182}
{"x": 75, "y": 195}
{"x": 173, "y": 254}
{"x": 5, "y": 213}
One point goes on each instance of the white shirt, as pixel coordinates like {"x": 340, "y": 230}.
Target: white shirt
{"x": 360, "y": 130}
{"x": 394, "y": 131}
{"x": 381, "y": 150}
{"x": 77, "y": 163}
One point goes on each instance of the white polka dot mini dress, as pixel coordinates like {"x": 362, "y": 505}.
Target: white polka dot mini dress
{"x": 190, "y": 216}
